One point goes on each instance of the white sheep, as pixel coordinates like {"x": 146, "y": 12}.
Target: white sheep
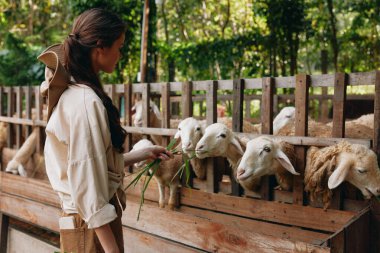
{"x": 328, "y": 167}
{"x": 190, "y": 132}
{"x": 267, "y": 156}
{"x": 284, "y": 117}
{"x": 166, "y": 174}
{"x": 219, "y": 141}
{"x": 26, "y": 162}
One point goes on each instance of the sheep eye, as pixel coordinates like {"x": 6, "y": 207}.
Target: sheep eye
{"x": 267, "y": 149}
{"x": 179, "y": 129}
{"x": 198, "y": 129}
{"x": 223, "y": 135}
{"x": 362, "y": 171}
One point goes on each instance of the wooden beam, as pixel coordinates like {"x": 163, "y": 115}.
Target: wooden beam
{"x": 237, "y": 125}
{"x": 301, "y": 119}
{"x": 187, "y": 99}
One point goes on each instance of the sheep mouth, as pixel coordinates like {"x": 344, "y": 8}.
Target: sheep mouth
{"x": 369, "y": 194}
{"x": 200, "y": 153}
{"x": 244, "y": 176}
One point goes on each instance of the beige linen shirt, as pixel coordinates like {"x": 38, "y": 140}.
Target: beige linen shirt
{"x": 81, "y": 163}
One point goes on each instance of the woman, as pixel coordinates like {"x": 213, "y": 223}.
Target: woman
{"x": 84, "y": 139}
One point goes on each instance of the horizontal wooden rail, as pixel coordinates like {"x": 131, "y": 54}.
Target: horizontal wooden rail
{"x": 21, "y": 121}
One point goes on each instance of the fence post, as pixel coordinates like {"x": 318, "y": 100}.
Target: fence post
{"x": 4, "y": 230}
{"x": 211, "y": 117}
{"x": 267, "y": 182}
{"x": 10, "y": 111}
{"x": 338, "y": 130}
{"x": 237, "y": 125}
{"x": 146, "y": 104}
{"x": 19, "y": 115}
{"x": 301, "y": 119}
{"x": 376, "y": 127}
{"x": 40, "y": 133}
{"x": 28, "y": 108}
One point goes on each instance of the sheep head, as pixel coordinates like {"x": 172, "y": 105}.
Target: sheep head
{"x": 217, "y": 141}
{"x": 283, "y": 118}
{"x": 262, "y": 156}
{"x": 154, "y": 113}
{"x": 190, "y": 132}
{"x": 358, "y": 167}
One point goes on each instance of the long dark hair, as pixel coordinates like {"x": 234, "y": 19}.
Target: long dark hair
{"x": 95, "y": 28}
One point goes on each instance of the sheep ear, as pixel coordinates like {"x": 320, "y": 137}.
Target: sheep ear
{"x": 285, "y": 162}
{"x": 340, "y": 172}
{"x": 236, "y": 143}
{"x": 177, "y": 135}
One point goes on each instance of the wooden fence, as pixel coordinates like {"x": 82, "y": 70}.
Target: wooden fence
{"x": 208, "y": 220}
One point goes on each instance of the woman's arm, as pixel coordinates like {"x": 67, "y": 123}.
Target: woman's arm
{"x": 153, "y": 152}
{"x": 107, "y": 239}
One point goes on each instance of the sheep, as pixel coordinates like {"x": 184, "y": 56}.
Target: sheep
{"x": 359, "y": 128}
{"x": 166, "y": 174}
{"x": 190, "y": 132}
{"x": 283, "y": 118}
{"x": 267, "y": 156}
{"x": 26, "y": 162}
{"x": 219, "y": 140}
{"x": 328, "y": 167}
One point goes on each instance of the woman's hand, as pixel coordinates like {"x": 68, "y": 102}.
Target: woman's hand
{"x": 157, "y": 152}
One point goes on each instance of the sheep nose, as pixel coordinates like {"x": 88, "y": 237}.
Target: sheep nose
{"x": 240, "y": 172}
{"x": 189, "y": 144}
{"x": 200, "y": 146}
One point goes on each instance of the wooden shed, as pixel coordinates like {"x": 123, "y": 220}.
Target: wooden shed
{"x": 207, "y": 219}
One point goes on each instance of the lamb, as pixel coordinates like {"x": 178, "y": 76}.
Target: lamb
{"x": 267, "y": 156}
{"x": 328, "y": 167}
{"x": 190, "y": 132}
{"x": 166, "y": 174}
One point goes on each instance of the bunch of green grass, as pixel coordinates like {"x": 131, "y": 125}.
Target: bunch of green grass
{"x": 145, "y": 171}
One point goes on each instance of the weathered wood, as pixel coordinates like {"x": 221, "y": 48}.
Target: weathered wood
{"x": 191, "y": 230}
{"x": 31, "y": 211}
{"x": 41, "y": 132}
{"x": 138, "y": 241}
{"x": 19, "y": 115}
{"x": 237, "y": 124}
{"x": 338, "y": 129}
{"x": 376, "y": 127}
{"x": 301, "y": 125}
{"x": 10, "y": 111}
{"x": 21, "y": 186}
{"x": 146, "y": 104}
{"x": 28, "y": 107}
{"x": 128, "y": 118}
{"x": 336, "y": 243}
{"x": 187, "y": 102}
{"x": 357, "y": 234}
{"x": 165, "y": 101}
{"x": 211, "y": 117}
{"x": 262, "y": 227}
{"x": 267, "y": 128}
{"x": 4, "y": 227}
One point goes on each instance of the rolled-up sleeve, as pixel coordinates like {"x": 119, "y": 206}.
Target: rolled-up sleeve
{"x": 87, "y": 163}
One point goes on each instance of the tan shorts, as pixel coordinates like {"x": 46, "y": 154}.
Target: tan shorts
{"x": 84, "y": 240}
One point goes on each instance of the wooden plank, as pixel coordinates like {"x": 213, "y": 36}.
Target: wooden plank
{"x": 151, "y": 130}
{"x": 128, "y": 96}
{"x": 301, "y": 119}
{"x": 204, "y": 234}
{"x": 19, "y": 115}
{"x": 279, "y": 213}
{"x": 283, "y": 232}
{"x": 237, "y": 125}
{"x": 187, "y": 102}
{"x": 10, "y": 111}
{"x": 165, "y": 101}
{"x": 1, "y": 101}
{"x": 338, "y": 129}
{"x": 41, "y": 132}
{"x": 211, "y": 117}
{"x": 22, "y": 241}
{"x": 362, "y": 78}
{"x": 30, "y": 211}
{"x": 21, "y": 186}
{"x": 4, "y": 227}
{"x": 28, "y": 107}
{"x": 336, "y": 243}
{"x": 376, "y": 127}
{"x": 146, "y": 104}
{"x": 27, "y": 122}
{"x": 357, "y": 234}
{"x": 267, "y": 128}
{"x": 139, "y": 241}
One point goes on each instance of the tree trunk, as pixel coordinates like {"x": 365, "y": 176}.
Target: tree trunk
{"x": 334, "y": 41}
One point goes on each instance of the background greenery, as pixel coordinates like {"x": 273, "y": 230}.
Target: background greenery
{"x": 199, "y": 39}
